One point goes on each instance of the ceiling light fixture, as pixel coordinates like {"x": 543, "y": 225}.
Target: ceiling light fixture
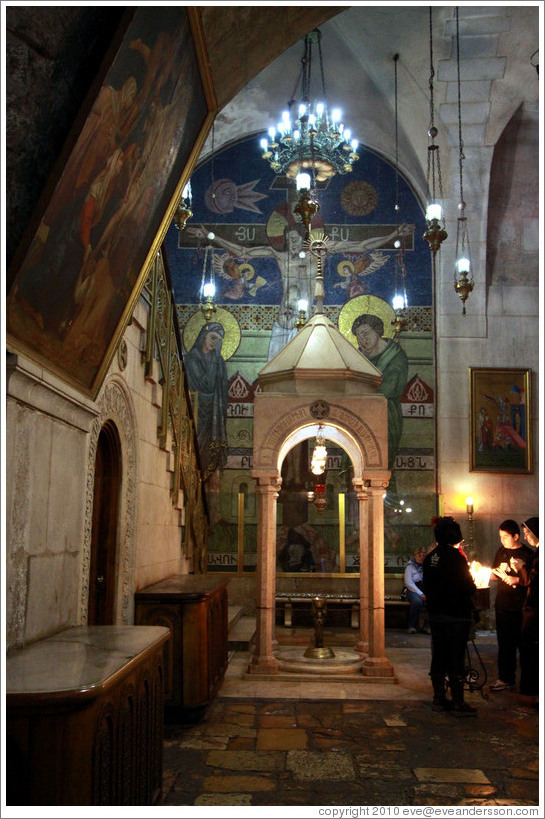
{"x": 435, "y": 232}
{"x": 309, "y": 137}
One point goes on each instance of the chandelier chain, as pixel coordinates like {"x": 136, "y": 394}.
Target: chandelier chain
{"x": 460, "y": 140}
{"x": 432, "y": 72}
{"x": 396, "y": 57}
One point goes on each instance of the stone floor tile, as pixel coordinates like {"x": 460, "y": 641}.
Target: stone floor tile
{"x": 276, "y": 721}
{"x": 436, "y": 791}
{"x": 523, "y": 789}
{"x": 319, "y": 766}
{"x": 202, "y": 744}
{"x": 523, "y": 773}
{"x": 451, "y": 775}
{"x": 395, "y": 722}
{"x": 383, "y": 770}
{"x": 334, "y": 742}
{"x": 280, "y": 707}
{"x": 246, "y": 760}
{"x": 224, "y": 799}
{"x": 219, "y": 729}
{"x": 237, "y": 783}
{"x": 480, "y": 790}
{"x": 240, "y": 708}
{"x": 281, "y": 739}
{"x": 241, "y": 744}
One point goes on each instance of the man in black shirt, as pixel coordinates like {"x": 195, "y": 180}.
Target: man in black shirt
{"x": 449, "y": 588}
{"x": 510, "y": 597}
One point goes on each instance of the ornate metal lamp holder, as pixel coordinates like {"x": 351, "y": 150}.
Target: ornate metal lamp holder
{"x": 318, "y": 651}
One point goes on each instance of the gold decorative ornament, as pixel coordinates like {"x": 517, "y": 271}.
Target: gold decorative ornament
{"x": 359, "y": 198}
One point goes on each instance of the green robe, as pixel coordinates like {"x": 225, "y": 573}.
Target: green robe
{"x": 394, "y": 366}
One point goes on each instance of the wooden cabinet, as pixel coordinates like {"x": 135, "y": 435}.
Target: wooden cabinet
{"x": 84, "y": 718}
{"x": 195, "y": 609}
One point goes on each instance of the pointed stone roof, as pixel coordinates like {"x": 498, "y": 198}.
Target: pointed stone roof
{"x": 319, "y": 353}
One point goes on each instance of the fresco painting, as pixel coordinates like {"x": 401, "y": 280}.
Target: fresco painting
{"x": 245, "y": 236}
{"x": 70, "y": 292}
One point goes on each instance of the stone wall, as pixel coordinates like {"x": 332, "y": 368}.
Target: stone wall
{"x": 51, "y": 432}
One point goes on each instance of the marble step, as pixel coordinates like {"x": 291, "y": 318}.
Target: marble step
{"x": 242, "y": 634}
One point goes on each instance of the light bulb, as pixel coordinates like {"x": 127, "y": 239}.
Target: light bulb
{"x": 398, "y": 302}
{"x": 320, "y": 109}
{"x": 211, "y": 235}
{"x": 209, "y": 290}
{"x": 463, "y": 265}
{"x": 302, "y": 305}
{"x": 336, "y": 115}
{"x": 434, "y": 211}
{"x": 272, "y": 132}
{"x": 302, "y": 180}
{"x": 264, "y": 144}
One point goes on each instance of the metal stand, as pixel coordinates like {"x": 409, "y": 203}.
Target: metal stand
{"x": 475, "y": 677}
{"x": 318, "y": 651}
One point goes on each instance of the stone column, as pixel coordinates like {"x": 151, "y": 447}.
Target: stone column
{"x": 376, "y": 664}
{"x": 263, "y": 661}
{"x": 363, "y": 638}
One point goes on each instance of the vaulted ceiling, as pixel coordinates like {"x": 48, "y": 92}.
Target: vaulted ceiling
{"x": 358, "y": 45}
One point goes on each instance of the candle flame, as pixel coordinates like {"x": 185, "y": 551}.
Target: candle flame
{"x": 480, "y": 574}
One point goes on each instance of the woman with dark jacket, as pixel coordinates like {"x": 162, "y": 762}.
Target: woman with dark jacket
{"x": 449, "y": 589}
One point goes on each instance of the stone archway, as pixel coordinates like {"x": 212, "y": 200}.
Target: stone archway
{"x": 359, "y": 425}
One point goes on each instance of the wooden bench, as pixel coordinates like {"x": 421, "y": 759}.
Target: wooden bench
{"x": 289, "y": 599}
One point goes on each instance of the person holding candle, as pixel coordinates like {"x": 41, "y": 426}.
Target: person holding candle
{"x": 509, "y": 601}
{"x": 529, "y": 641}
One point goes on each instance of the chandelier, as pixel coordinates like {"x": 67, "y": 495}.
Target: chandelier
{"x": 208, "y": 288}
{"x": 319, "y": 455}
{"x": 435, "y": 232}
{"x": 183, "y": 211}
{"x": 309, "y": 137}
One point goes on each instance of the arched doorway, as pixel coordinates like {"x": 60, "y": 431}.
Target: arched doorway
{"x": 365, "y": 452}
{"x": 105, "y": 526}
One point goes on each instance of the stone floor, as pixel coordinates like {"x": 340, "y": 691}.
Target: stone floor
{"x": 324, "y": 743}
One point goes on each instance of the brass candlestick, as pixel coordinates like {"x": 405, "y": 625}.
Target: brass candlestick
{"x": 318, "y": 651}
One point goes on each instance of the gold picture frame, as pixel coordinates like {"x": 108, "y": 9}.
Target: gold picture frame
{"x": 500, "y": 432}
{"x": 78, "y": 274}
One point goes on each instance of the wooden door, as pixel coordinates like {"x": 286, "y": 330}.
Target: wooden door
{"x": 104, "y": 536}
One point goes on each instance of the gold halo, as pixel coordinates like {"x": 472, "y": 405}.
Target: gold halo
{"x": 342, "y": 265}
{"x": 365, "y": 304}
{"x": 276, "y": 224}
{"x": 231, "y": 339}
{"x": 249, "y": 267}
